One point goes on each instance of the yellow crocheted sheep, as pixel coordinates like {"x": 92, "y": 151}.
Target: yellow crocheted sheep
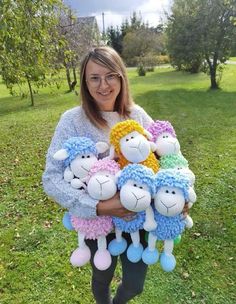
{"x": 129, "y": 141}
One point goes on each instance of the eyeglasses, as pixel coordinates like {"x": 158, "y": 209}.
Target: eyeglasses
{"x": 95, "y": 81}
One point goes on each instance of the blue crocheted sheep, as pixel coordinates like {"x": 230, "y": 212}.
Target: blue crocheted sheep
{"x": 78, "y": 155}
{"x": 136, "y": 185}
{"x": 173, "y": 191}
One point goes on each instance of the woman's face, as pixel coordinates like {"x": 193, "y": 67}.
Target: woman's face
{"x": 103, "y": 85}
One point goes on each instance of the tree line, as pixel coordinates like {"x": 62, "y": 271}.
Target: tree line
{"x": 40, "y": 38}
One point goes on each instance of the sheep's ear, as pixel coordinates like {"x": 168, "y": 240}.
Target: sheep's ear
{"x": 153, "y": 146}
{"x": 112, "y": 153}
{"x": 148, "y": 134}
{"x": 117, "y": 175}
{"x": 61, "y": 155}
{"x": 101, "y": 146}
{"x": 192, "y": 195}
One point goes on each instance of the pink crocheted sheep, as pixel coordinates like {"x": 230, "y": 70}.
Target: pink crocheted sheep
{"x": 101, "y": 186}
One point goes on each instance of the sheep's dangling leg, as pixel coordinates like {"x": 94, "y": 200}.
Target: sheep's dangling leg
{"x": 150, "y": 254}
{"x": 118, "y": 245}
{"x": 167, "y": 259}
{"x": 168, "y": 246}
{"x": 102, "y": 257}
{"x": 82, "y": 254}
{"x": 135, "y": 250}
{"x": 150, "y": 223}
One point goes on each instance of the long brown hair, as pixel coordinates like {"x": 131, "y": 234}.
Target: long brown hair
{"x": 110, "y": 59}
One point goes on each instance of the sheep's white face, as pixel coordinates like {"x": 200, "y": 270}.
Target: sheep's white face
{"x": 167, "y": 144}
{"x": 188, "y": 173}
{"x": 169, "y": 201}
{"x": 81, "y": 165}
{"x": 135, "y": 147}
{"x": 102, "y": 185}
{"x": 135, "y": 196}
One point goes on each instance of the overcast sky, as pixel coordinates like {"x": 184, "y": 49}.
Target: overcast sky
{"x": 116, "y": 11}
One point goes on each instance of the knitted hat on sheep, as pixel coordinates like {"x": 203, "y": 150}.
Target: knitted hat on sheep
{"x": 104, "y": 164}
{"x": 77, "y": 146}
{"x": 140, "y": 174}
{"x": 171, "y": 161}
{"x": 160, "y": 126}
{"x": 173, "y": 178}
{"x": 123, "y": 128}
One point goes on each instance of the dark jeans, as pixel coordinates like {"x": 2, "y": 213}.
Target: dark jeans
{"x": 133, "y": 275}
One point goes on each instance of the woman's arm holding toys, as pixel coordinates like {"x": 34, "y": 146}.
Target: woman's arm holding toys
{"x": 112, "y": 207}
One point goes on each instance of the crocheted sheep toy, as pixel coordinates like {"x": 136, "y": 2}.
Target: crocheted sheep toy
{"x": 136, "y": 185}
{"x": 101, "y": 186}
{"x": 172, "y": 192}
{"x": 78, "y": 154}
{"x": 178, "y": 162}
{"x": 164, "y": 136}
{"x": 129, "y": 142}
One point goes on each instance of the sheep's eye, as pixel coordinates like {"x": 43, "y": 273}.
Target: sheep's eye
{"x": 167, "y": 191}
{"x": 107, "y": 175}
{"x": 83, "y": 156}
{"x": 127, "y": 139}
{"x": 88, "y": 156}
{"x": 132, "y": 137}
{"x": 173, "y": 192}
{"x": 141, "y": 187}
{"x": 135, "y": 185}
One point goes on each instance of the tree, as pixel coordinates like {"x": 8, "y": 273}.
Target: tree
{"x": 184, "y": 37}
{"x": 201, "y": 32}
{"x": 77, "y": 36}
{"x": 115, "y": 38}
{"x": 140, "y": 41}
{"x": 26, "y": 49}
{"x": 217, "y": 28}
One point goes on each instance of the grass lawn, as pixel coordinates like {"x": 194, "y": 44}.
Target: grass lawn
{"x": 35, "y": 248}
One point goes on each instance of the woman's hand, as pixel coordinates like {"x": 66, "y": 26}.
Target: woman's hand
{"x": 113, "y": 207}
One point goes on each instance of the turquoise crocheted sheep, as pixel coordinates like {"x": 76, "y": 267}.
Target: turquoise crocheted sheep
{"x": 136, "y": 185}
{"x": 173, "y": 191}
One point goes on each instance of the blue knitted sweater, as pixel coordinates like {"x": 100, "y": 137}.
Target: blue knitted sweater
{"x": 74, "y": 122}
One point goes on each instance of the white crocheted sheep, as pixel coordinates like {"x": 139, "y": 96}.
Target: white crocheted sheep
{"x": 101, "y": 186}
{"x": 136, "y": 185}
{"x": 173, "y": 191}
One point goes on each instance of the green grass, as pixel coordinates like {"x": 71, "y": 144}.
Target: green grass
{"x": 35, "y": 248}
{"x": 232, "y": 58}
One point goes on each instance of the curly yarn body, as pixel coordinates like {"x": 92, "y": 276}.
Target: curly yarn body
{"x": 93, "y": 228}
{"x": 138, "y": 173}
{"x": 130, "y": 226}
{"x": 158, "y": 127}
{"x": 150, "y": 162}
{"x": 168, "y": 228}
{"x": 78, "y": 146}
{"x": 104, "y": 164}
{"x": 173, "y": 178}
{"x": 172, "y": 161}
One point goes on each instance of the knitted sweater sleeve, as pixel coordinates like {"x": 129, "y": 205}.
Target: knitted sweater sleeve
{"x": 78, "y": 202}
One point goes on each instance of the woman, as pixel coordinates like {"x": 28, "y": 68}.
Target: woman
{"x": 105, "y": 100}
